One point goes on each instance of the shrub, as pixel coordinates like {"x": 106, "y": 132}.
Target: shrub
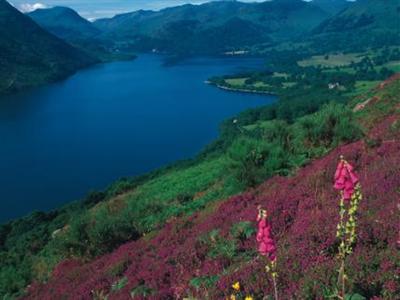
{"x": 242, "y": 230}
{"x": 245, "y": 159}
{"x": 119, "y": 285}
{"x": 203, "y": 282}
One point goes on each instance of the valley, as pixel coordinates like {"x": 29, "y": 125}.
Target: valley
{"x": 187, "y": 190}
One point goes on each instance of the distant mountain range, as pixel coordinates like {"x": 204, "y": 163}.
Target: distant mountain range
{"x": 212, "y": 28}
{"x": 30, "y": 55}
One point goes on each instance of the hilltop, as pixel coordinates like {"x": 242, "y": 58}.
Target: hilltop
{"x": 68, "y": 25}
{"x": 64, "y": 22}
{"x": 31, "y": 55}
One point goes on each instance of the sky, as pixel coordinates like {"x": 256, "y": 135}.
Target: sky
{"x": 94, "y": 9}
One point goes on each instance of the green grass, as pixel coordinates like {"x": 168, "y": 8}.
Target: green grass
{"x": 277, "y": 74}
{"x": 240, "y": 82}
{"x": 334, "y": 60}
{"x": 393, "y": 65}
{"x": 260, "y": 84}
{"x": 342, "y": 69}
{"x": 258, "y": 125}
{"x": 179, "y": 192}
{"x": 362, "y": 87}
{"x": 289, "y": 84}
{"x": 236, "y": 81}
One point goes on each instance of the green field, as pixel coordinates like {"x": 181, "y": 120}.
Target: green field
{"x": 393, "y": 65}
{"x": 240, "y": 82}
{"x": 362, "y": 87}
{"x": 236, "y": 81}
{"x": 332, "y": 60}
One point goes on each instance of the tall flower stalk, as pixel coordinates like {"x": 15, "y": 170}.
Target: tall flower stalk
{"x": 347, "y": 182}
{"x": 267, "y": 246}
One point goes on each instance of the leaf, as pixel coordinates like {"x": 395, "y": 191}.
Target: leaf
{"x": 354, "y": 297}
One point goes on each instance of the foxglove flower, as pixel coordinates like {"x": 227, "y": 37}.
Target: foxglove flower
{"x": 266, "y": 245}
{"x": 345, "y": 179}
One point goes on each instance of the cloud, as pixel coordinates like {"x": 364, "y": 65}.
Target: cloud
{"x": 27, "y": 7}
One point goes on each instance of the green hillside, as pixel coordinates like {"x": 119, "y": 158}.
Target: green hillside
{"x": 64, "y": 22}
{"x": 364, "y": 24}
{"x": 332, "y": 6}
{"x": 68, "y": 25}
{"x": 30, "y": 55}
{"x": 213, "y": 28}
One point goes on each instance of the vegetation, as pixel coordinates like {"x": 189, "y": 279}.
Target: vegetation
{"x": 212, "y": 28}
{"x": 254, "y": 146}
{"x": 68, "y": 25}
{"x": 177, "y": 235}
{"x": 30, "y": 55}
{"x": 201, "y": 255}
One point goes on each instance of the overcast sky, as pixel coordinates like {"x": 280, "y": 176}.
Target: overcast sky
{"x": 92, "y": 9}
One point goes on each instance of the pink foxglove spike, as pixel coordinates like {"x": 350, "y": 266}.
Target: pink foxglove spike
{"x": 266, "y": 244}
{"x": 345, "y": 179}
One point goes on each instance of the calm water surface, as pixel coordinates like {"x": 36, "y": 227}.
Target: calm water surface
{"x": 63, "y": 140}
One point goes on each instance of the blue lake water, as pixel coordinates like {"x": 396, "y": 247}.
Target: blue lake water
{"x": 60, "y": 141}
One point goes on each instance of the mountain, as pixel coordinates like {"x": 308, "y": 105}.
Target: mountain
{"x": 64, "y": 22}
{"x": 68, "y": 25}
{"x": 31, "y": 55}
{"x": 214, "y": 27}
{"x": 332, "y": 6}
{"x": 365, "y": 23}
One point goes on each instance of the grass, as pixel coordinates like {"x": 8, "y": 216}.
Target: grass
{"x": 342, "y": 69}
{"x": 393, "y": 65}
{"x": 362, "y": 87}
{"x": 388, "y": 103}
{"x": 240, "y": 82}
{"x": 179, "y": 192}
{"x": 333, "y": 60}
{"x": 260, "y": 124}
{"x": 289, "y": 84}
{"x": 236, "y": 81}
{"x": 260, "y": 84}
{"x": 277, "y": 74}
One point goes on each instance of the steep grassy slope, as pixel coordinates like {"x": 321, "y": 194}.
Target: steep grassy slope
{"x": 212, "y": 28}
{"x": 30, "y": 55}
{"x": 203, "y": 254}
{"x": 261, "y": 143}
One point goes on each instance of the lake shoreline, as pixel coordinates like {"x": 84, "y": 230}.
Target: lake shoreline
{"x": 136, "y": 110}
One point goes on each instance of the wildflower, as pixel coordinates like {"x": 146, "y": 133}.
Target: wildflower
{"x": 348, "y": 183}
{"x": 249, "y": 298}
{"x": 233, "y": 297}
{"x": 236, "y": 286}
{"x": 345, "y": 179}
{"x": 266, "y": 245}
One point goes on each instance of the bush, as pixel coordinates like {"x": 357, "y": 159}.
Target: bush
{"x": 333, "y": 125}
{"x": 245, "y": 159}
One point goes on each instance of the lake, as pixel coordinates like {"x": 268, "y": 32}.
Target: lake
{"x": 63, "y": 140}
